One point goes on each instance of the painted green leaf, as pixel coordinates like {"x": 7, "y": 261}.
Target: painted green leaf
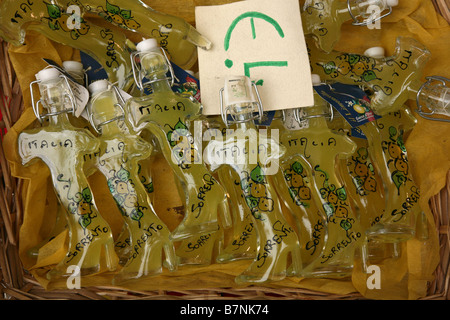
{"x": 53, "y": 26}
{"x": 112, "y": 8}
{"x": 398, "y": 178}
{"x": 392, "y": 131}
{"x": 53, "y": 11}
{"x": 329, "y": 67}
{"x": 180, "y": 125}
{"x": 328, "y": 208}
{"x": 149, "y": 187}
{"x": 341, "y": 194}
{"x": 111, "y": 185}
{"x": 136, "y": 215}
{"x": 257, "y": 174}
{"x": 353, "y": 58}
{"x": 123, "y": 175}
{"x": 87, "y": 195}
{"x": 252, "y": 202}
{"x": 346, "y": 225}
{"x": 369, "y": 75}
{"x": 172, "y": 142}
{"x": 293, "y": 192}
{"x": 400, "y": 142}
{"x": 126, "y": 14}
{"x": 245, "y": 185}
{"x": 297, "y": 167}
{"x": 84, "y": 221}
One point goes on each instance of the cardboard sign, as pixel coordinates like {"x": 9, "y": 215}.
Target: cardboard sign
{"x": 261, "y": 39}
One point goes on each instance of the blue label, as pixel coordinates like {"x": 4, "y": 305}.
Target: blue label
{"x": 350, "y": 101}
{"x": 94, "y": 70}
{"x": 357, "y": 132}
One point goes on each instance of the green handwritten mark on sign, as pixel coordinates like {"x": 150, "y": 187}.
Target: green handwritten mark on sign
{"x": 251, "y": 14}
{"x": 248, "y": 65}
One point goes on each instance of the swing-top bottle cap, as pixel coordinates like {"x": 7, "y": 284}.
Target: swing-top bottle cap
{"x": 392, "y": 3}
{"x": 48, "y": 74}
{"x": 147, "y": 45}
{"x": 74, "y": 66}
{"x": 98, "y": 86}
{"x": 315, "y": 78}
{"x": 375, "y": 52}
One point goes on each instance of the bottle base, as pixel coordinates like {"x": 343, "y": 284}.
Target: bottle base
{"x": 334, "y": 272}
{"x": 182, "y": 232}
{"x": 390, "y": 233}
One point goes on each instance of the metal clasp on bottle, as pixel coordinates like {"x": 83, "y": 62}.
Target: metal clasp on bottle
{"x": 35, "y": 104}
{"x": 419, "y": 110}
{"x": 137, "y": 70}
{"x": 120, "y": 104}
{"x": 225, "y": 111}
{"x": 357, "y": 22}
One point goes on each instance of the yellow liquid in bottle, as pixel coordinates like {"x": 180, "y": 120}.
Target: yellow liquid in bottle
{"x": 366, "y": 190}
{"x": 295, "y": 185}
{"x": 243, "y": 239}
{"x": 175, "y": 35}
{"x": 118, "y": 162}
{"x": 393, "y": 80}
{"x": 385, "y": 137}
{"x": 320, "y": 146}
{"x": 240, "y": 240}
{"x": 277, "y": 241}
{"x": 324, "y": 18}
{"x": 52, "y": 20}
{"x": 170, "y": 116}
{"x": 62, "y": 146}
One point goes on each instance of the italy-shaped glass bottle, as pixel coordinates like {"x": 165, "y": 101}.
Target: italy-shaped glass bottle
{"x": 321, "y": 148}
{"x": 253, "y": 157}
{"x": 171, "y": 118}
{"x": 174, "y": 34}
{"x": 392, "y": 80}
{"x": 386, "y": 142}
{"x": 402, "y": 215}
{"x": 324, "y": 18}
{"x": 241, "y": 239}
{"x": 67, "y": 26}
{"x": 295, "y": 188}
{"x": 366, "y": 190}
{"x": 61, "y": 146}
{"x": 118, "y": 162}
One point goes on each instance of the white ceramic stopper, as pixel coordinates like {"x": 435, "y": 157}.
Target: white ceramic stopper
{"x": 73, "y": 66}
{"x": 147, "y": 45}
{"x": 48, "y": 74}
{"x": 98, "y": 86}
{"x": 375, "y": 52}
{"x": 315, "y": 79}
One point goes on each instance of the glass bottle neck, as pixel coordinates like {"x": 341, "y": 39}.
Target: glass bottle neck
{"x": 54, "y": 102}
{"x": 159, "y": 83}
{"x": 243, "y": 115}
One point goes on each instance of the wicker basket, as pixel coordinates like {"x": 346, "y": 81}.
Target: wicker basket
{"x": 17, "y": 283}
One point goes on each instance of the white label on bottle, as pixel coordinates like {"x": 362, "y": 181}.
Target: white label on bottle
{"x": 238, "y": 90}
{"x": 81, "y": 95}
